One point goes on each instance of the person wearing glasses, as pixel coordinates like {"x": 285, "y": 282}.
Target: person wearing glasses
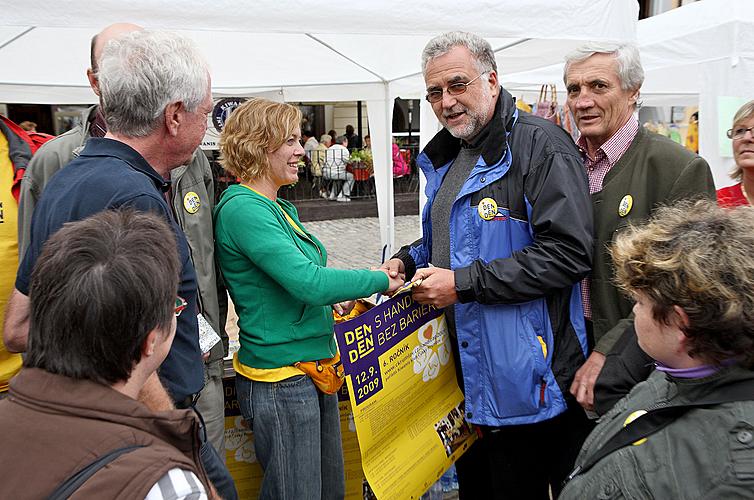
{"x": 631, "y": 171}
{"x": 742, "y": 135}
{"x": 507, "y": 230}
{"x": 103, "y": 316}
{"x": 277, "y": 275}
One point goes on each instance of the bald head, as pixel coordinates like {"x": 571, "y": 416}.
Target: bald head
{"x": 98, "y": 44}
{"x": 100, "y": 39}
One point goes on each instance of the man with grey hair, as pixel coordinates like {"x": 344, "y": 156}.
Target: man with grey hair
{"x": 192, "y": 199}
{"x": 155, "y": 95}
{"x": 507, "y": 228}
{"x": 631, "y": 171}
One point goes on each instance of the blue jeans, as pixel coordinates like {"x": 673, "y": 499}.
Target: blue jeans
{"x": 296, "y": 438}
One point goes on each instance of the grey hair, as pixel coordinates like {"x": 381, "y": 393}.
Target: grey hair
{"x": 325, "y": 138}
{"x": 484, "y": 57}
{"x": 744, "y": 113}
{"x": 142, "y": 72}
{"x": 627, "y": 58}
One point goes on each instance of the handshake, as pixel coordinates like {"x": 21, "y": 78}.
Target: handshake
{"x": 432, "y": 285}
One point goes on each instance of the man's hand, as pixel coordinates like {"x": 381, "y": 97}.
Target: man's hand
{"x": 438, "y": 287}
{"x": 583, "y": 383}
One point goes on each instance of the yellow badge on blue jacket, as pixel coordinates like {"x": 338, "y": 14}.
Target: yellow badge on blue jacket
{"x": 487, "y": 208}
{"x": 191, "y": 202}
{"x": 625, "y": 205}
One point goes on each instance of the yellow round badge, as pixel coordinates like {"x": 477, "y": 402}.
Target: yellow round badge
{"x": 487, "y": 209}
{"x": 191, "y": 202}
{"x": 625, "y": 205}
{"x": 633, "y": 416}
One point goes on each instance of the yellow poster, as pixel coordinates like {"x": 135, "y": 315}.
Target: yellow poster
{"x": 407, "y": 406}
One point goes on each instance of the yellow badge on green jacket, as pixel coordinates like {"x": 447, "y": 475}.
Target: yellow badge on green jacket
{"x": 191, "y": 202}
{"x": 625, "y": 205}
{"x": 487, "y": 208}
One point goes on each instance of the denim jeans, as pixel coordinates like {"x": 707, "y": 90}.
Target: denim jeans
{"x": 296, "y": 438}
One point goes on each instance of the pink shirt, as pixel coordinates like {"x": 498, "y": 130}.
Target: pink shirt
{"x": 596, "y": 169}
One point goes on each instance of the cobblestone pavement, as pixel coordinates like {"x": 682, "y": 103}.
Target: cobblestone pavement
{"x": 355, "y": 243}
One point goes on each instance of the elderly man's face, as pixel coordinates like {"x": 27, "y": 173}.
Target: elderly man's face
{"x": 595, "y": 97}
{"x": 195, "y": 127}
{"x": 464, "y": 115}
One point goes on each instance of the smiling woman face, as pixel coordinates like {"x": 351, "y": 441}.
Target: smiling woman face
{"x": 284, "y": 161}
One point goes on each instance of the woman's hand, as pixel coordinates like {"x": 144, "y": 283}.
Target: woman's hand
{"x": 345, "y": 307}
{"x": 394, "y": 268}
{"x": 395, "y": 280}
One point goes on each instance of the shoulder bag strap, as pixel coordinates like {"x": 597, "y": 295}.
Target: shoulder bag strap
{"x": 74, "y": 482}
{"x": 659, "y": 418}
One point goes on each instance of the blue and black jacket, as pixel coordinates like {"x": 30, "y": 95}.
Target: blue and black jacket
{"x": 519, "y": 322}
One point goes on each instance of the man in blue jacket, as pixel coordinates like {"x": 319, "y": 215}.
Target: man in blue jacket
{"x": 507, "y": 230}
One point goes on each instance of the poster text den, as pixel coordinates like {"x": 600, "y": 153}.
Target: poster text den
{"x": 392, "y": 321}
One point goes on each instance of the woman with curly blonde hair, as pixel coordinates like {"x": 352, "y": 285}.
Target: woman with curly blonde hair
{"x": 277, "y": 275}
{"x": 690, "y": 270}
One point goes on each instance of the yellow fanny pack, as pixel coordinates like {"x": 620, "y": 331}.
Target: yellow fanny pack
{"x": 327, "y": 374}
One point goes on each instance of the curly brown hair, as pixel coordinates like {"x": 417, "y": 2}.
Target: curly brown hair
{"x": 254, "y": 129}
{"x": 701, "y": 258}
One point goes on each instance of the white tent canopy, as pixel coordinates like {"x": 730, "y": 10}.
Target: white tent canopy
{"x": 691, "y": 56}
{"x": 302, "y": 51}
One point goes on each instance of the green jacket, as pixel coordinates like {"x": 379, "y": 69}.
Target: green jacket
{"x": 279, "y": 282}
{"x": 706, "y": 454}
{"x": 195, "y": 178}
{"x": 653, "y": 171}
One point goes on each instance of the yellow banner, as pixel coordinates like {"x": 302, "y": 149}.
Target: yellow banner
{"x": 407, "y": 406}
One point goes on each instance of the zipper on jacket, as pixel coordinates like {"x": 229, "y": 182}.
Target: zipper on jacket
{"x": 542, "y": 388}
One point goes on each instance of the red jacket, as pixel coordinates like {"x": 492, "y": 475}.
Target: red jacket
{"x": 22, "y": 145}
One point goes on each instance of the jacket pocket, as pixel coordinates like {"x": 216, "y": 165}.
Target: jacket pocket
{"x": 311, "y": 322}
{"x": 518, "y": 359}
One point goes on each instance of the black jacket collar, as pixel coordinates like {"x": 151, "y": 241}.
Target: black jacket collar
{"x": 443, "y": 148}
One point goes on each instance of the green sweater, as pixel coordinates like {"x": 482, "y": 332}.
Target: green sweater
{"x": 279, "y": 282}
{"x": 653, "y": 171}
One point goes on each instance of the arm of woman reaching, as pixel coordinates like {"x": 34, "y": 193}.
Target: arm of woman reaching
{"x": 271, "y": 247}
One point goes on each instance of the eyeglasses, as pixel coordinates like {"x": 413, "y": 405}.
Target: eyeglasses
{"x": 180, "y": 305}
{"x": 458, "y": 88}
{"x": 739, "y": 133}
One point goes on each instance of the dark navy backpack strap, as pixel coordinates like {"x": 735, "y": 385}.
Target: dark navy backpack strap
{"x": 73, "y": 483}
